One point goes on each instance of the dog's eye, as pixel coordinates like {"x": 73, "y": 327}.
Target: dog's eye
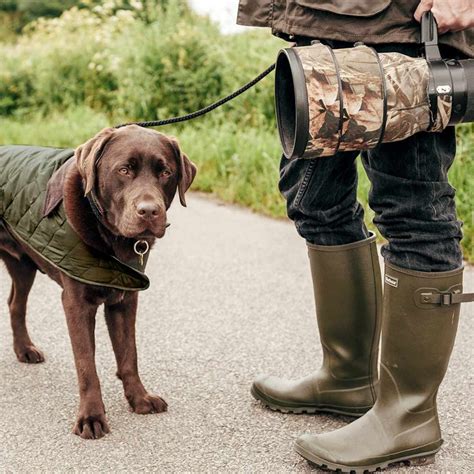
{"x": 124, "y": 170}
{"x": 166, "y": 173}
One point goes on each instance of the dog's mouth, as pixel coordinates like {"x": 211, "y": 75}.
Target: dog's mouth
{"x": 156, "y": 232}
{"x": 137, "y": 230}
{"x": 150, "y": 235}
{"x": 144, "y": 235}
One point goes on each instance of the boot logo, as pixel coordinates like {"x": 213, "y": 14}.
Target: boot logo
{"x": 392, "y": 281}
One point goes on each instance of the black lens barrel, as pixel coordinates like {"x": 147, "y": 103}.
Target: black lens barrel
{"x": 458, "y": 90}
{"x": 455, "y": 79}
{"x": 468, "y": 67}
{"x": 291, "y": 101}
{"x": 462, "y": 88}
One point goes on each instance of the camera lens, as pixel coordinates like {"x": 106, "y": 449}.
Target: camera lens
{"x": 468, "y": 67}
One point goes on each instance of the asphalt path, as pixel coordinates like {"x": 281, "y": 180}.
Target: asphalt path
{"x": 230, "y": 298}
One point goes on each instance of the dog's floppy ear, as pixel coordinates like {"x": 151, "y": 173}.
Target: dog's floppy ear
{"x": 55, "y": 187}
{"x": 89, "y": 153}
{"x": 187, "y": 171}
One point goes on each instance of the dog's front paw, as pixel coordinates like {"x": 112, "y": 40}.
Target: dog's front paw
{"x": 91, "y": 426}
{"x": 145, "y": 404}
{"x": 29, "y": 354}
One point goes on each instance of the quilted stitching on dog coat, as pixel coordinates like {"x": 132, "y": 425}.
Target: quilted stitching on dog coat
{"x": 24, "y": 175}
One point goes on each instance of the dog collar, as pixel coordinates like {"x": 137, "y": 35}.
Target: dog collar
{"x": 97, "y": 209}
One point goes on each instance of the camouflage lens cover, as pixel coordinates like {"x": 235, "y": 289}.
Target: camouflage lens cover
{"x": 358, "y": 98}
{"x": 324, "y": 100}
{"x": 408, "y": 110}
{"x": 362, "y": 97}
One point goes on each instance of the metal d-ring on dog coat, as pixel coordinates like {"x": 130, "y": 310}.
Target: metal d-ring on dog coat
{"x": 24, "y": 175}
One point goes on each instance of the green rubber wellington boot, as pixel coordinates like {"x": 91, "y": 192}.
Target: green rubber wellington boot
{"x": 420, "y": 319}
{"x": 348, "y": 293}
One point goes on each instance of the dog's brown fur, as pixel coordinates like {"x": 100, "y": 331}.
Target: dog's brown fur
{"x": 156, "y": 170}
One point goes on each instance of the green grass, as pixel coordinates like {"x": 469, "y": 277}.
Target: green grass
{"x": 237, "y": 164}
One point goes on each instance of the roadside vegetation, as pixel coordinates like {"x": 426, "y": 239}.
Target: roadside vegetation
{"x": 65, "y": 77}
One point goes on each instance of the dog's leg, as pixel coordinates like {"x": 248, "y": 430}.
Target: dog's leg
{"x": 23, "y": 273}
{"x": 121, "y": 323}
{"x": 80, "y": 316}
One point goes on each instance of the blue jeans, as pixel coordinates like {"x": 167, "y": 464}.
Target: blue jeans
{"x": 410, "y": 195}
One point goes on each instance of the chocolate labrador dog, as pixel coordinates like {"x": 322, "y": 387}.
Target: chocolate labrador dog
{"x": 115, "y": 192}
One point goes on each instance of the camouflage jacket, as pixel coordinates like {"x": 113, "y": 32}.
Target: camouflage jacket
{"x": 370, "y": 21}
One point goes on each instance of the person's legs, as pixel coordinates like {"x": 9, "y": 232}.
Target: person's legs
{"x": 415, "y": 212}
{"x": 414, "y": 202}
{"x": 321, "y": 196}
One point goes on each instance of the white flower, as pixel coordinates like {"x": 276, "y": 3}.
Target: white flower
{"x": 136, "y": 4}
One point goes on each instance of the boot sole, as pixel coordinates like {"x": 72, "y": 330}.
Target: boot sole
{"x": 282, "y": 407}
{"x": 413, "y": 459}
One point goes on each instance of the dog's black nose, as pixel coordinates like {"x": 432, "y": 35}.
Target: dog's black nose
{"x": 148, "y": 209}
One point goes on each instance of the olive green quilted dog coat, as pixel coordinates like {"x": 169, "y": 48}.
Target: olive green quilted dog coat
{"x": 24, "y": 175}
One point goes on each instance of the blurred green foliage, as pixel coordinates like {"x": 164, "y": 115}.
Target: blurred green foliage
{"x": 33, "y": 9}
{"x": 15, "y": 14}
{"x": 103, "y": 63}
{"x": 156, "y": 59}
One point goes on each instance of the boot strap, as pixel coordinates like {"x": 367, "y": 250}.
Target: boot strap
{"x": 446, "y": 299}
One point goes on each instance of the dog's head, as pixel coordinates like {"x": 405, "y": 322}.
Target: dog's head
{"x": 134, "y": 174}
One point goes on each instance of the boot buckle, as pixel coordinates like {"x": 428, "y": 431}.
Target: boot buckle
{"x": 429, "y": 297}
{"x": 443, "y": 299}
{"x": 446, "y": 299}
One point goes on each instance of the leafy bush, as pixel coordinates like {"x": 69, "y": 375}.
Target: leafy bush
{"x": 30, "y": 10}
{"x": 138, "y": 62}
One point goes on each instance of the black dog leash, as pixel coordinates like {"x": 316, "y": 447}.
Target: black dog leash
{"x": 94, "y": 204}
{"x": 205, "y": 110}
